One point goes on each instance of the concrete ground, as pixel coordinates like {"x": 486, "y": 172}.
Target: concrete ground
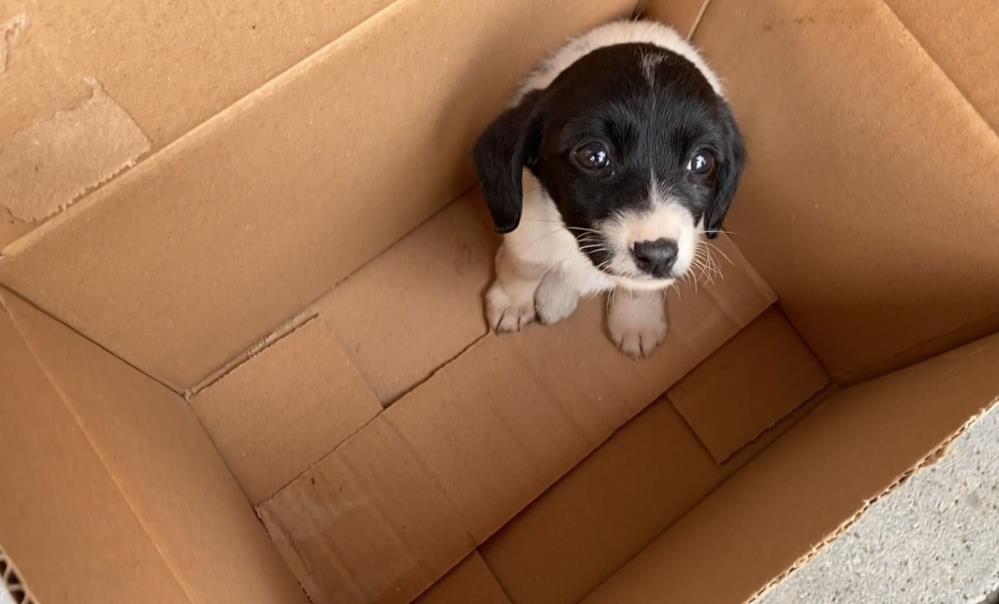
{"x": 933, "y": 540}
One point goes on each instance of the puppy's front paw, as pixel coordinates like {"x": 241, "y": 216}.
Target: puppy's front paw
{"x": 555, "y": 299}
{"x": 637, "y": 323}
{"x": 507, "y": 313}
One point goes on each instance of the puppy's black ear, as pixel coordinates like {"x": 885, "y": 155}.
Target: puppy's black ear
{"x": 507, "y": 146}
{"x": 734, "y": 161}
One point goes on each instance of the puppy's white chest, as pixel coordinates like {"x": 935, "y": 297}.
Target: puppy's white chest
{"x": 542, "y": 238}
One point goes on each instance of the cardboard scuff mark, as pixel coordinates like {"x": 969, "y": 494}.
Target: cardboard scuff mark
{"x": 11, "y": 32}
{"x": 50, "y": 164}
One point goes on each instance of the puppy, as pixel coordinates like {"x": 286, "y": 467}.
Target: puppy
{"x": 614, "y": 159}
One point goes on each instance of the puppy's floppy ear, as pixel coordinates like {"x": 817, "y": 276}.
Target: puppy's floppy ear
{"x": 734, "y": 161}
{"x": 507, "y": 146}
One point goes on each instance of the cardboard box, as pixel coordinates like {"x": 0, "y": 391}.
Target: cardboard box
{"x": 242, "y": 350}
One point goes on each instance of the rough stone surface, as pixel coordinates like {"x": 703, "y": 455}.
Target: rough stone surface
{"x": 933, "y": 540}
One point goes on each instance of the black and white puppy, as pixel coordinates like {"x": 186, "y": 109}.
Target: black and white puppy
{"x": 617, "y": 155}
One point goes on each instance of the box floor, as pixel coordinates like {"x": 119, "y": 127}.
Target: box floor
{"x": 934, "y": 539}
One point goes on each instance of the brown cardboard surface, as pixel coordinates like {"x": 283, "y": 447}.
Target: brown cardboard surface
{"x": 469, "y": 582}
{"x": 752, "y": 382}
{"x": 55, "y": 485}
{"x": 807, "y": 484}
{"x": 221, "y": 236}
{"x": 285, "y": 408}
{"x": 47, "y": 166}
{"x": 599, "y": 515}
{"x": 165, "y": 489}
{"x": 418, "y": 305}
{"x": 11, "y": 33}
{"x": 485, "y": 435}
{"x": 512, "y": 414}
{"x": 368, "y": 523}
{"x": 959, "y": 37}
{"x": 171, "y": 66}
{"x": 611, "y": 505}
{"x": 684, "y": 15}
{"x": 870, "y": 255}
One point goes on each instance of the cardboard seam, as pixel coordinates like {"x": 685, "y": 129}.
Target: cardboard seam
{"x": 805, "y": 408}
{"x": 697, "y": 20}
{"x": 4, "y": 287}
{"x": 315, "y": 463}
{"x": 935, "y": 455}
{"x": 97, "y": 452}
{"x": 692, "y": 430}
{"x": 204, "y": 129}
{"x": 433, "y": 373}
{"x": 311, "y": 311}
{"x": 926, "y": 53}
{"x": 496, "y": 577}
{"x": 283, "y": 331}
{"x": 913, "y": 355}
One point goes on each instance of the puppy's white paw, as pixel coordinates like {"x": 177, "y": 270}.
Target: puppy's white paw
{"x": 507, "y": 313}
{"x": 637, "y": 322}
{"x": 555, "y": 300}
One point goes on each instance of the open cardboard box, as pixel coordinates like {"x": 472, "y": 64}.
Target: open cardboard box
{"x": 232, "y": 284}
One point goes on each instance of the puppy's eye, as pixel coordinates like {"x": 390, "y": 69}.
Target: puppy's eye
{"x": 592, "y": 156}
{"x": 702, "y": 163}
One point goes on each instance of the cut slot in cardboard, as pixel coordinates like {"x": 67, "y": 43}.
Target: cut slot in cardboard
{"x": 470, "y": 581}
{"x": 288, "y": 256}
{"x": 748, "y": 385}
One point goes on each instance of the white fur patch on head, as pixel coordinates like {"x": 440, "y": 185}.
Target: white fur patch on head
{"x": 649, "y": 64}
{"x": 667, "y": 219}
{"x": 610, "y": 34}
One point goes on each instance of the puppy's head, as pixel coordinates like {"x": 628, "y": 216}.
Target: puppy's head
{"x": 639, "y": 152}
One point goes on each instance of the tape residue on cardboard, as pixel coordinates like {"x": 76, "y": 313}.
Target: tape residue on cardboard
{"x": 49, "y": 165}
{"x": 11, "y": 31}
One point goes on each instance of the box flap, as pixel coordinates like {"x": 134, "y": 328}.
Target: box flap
{"x": 481, "y": 438}
{"x": 61, "y": 484}
{"x": 512, "y": 414}
{"x": 803, "y": 488}
{"x": 752, "y": 382}
{"x": 285, "y": 408}
{"x": 368, "y": 524}
{"x": 418, "y": 305}
{"x": 471, "y": 582}
{"x": 194, "y": 61}
{"x": 866, "y": 217}
{"x": 121, "y": 496}
{"x": 611, "y": 505}
{"x": 599, "y": 515}
{"x": 237, "y": 226}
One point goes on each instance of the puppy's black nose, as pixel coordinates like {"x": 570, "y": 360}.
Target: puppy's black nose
{"x": 655, "y": 257}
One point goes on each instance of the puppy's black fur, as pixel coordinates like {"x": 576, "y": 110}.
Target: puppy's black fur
{"x": 651, "y": 130}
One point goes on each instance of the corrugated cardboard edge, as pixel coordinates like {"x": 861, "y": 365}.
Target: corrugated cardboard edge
{"x": 10, "y": 578}
{"x": 51, "y": 164}
{"x": 283, "y": 331}
{"x": 931, "y": 458}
